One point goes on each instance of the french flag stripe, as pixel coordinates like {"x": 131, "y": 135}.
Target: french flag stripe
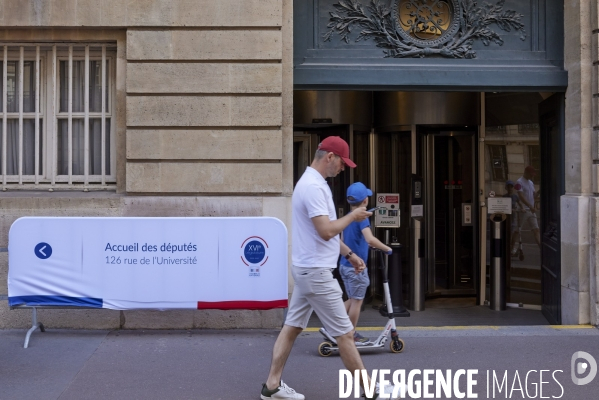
{"x": 242, "y": 305}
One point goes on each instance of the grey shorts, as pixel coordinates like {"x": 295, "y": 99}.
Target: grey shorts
{"x": 355, "y": 284}
{"x": 527, "y": 217}
{"x": 317, "y": 290}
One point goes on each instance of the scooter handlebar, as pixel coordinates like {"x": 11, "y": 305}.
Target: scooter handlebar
{"x": 382, "y": 251}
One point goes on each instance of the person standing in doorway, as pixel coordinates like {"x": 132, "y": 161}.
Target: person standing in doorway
{"x": 527, "y": 196}
{"x": 511, "y": 192}
{"x": 315, "y": 249}
{"x": 358, "y": 237}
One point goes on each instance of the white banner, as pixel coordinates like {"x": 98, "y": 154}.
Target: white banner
{"x": 148, "y": 263}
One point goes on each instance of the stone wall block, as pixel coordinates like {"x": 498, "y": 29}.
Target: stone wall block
{"x": 192, "y": 206}
{"x": 595, "y": 111}
{"x": 238, "y": 319}
{"x": 125, "y": 13}
{"x": 575, "y": 307}
{"x": 514, "y": 149}
{"x": 203, "y": 78}
{"x": 204, "y": 45}
{"x": 203, "y": 111}
{"x": 229, "y": 13}
{"x": 178, "y": 111}
{"x": 3, "y": 273}
{"x": 15, "y": 319}
{"x": 58, "y": 318}
{"x": 256, "y": 111}
{"x": 594, "y": 262}
{"x": 93, "y": 13}
{"x": 5, "y": 223}
{"x": 515, "y": 158}
{"x": 17, "y": 13}
{"x": 256, "y": 78}
{"x": 150, "y": 13}
{"x": 113, "y": 12}
{"x": 280, "y": 207}
{"x": 575, "y": 242}
{"x": 153, "y": 319}
{"x": 204, "y": 144}
{"x": 172, "y": 177}
{"x": 143, "y": 177}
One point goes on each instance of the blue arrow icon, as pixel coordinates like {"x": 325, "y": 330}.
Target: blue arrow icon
{"x": 43, "y": 250}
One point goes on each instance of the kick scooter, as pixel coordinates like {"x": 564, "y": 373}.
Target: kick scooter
{"x": 329, "y": 346}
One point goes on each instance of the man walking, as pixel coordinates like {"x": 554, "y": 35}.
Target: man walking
{"x": 315, "y": 249}
{"x": 527, "y": 196}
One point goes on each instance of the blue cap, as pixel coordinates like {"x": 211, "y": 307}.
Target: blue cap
{"x": 510, "y": 182}
{"x": 357, "y": 192}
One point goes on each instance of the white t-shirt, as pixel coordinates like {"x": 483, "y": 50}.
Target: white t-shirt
{"x": 528, "y": 189}
{"x": 312, "y": 197}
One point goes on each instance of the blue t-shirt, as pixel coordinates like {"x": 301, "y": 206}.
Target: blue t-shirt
{"x": 354, "y": 239}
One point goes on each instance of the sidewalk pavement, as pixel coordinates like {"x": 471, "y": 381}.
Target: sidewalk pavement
{"x": 231, "y": 365}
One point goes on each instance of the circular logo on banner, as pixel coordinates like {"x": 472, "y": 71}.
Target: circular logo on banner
{"x": 254, "y": 251}
{"x": 381, "y": 199}
{"x": 43, "y": 250}
{"x": 254, "y": 254}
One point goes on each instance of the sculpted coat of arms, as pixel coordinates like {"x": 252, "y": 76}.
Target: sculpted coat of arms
{"x": 421, "y": 28}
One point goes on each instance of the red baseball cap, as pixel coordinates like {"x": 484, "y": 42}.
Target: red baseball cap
{"x": 339, "y": 147}
{"x": 531, "y": 170}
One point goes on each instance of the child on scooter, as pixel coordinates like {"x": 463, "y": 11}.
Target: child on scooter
{"x": 358, "y": 237}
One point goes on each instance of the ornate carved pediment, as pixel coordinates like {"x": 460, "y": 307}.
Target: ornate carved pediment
{"x": 421, "y": 28}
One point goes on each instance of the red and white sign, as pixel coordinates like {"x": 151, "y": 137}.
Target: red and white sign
{"x": 388, "y": 216}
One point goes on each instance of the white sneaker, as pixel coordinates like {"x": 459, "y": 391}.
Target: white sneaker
{"x": 390, "y": 390}
{"x": 282, "y": 392}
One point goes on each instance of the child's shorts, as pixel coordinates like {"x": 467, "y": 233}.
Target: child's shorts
{"x": 355, "y": 284}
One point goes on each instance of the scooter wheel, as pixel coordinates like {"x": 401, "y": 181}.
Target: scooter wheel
{"x": 324, "y": 349}
{"x": 396, "y": 345}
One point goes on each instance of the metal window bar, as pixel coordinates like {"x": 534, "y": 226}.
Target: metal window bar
{"x": 4, "y": 109}
{"x": 70, "y": 127}
{"x": 21, "y": 73}
{"x": 54, "y": 113}
{"x": 103, "y": 126}
{"x": 86, "y": 119}
{"x": 37, "y": 114}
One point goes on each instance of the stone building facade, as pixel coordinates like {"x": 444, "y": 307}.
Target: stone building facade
{"x": 203, "y": 100}
{"x": 200, "y": 113}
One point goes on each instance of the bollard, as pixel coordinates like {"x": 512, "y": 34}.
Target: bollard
{"x": 395, "y": 281}
{"x": 417, "y": 266}
{"x": 498, "y": 273}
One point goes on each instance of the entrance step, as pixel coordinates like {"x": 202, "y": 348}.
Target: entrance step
{"x": 527, "y": 284}
{"x": 528, "y": 273}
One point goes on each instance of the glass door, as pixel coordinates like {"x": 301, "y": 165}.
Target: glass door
{"x": 451, "y": 213}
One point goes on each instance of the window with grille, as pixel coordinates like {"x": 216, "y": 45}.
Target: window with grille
{"x": 499, "y": 166}
{"x": 534, "y": 158}
{"x": 58, "y": 116}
